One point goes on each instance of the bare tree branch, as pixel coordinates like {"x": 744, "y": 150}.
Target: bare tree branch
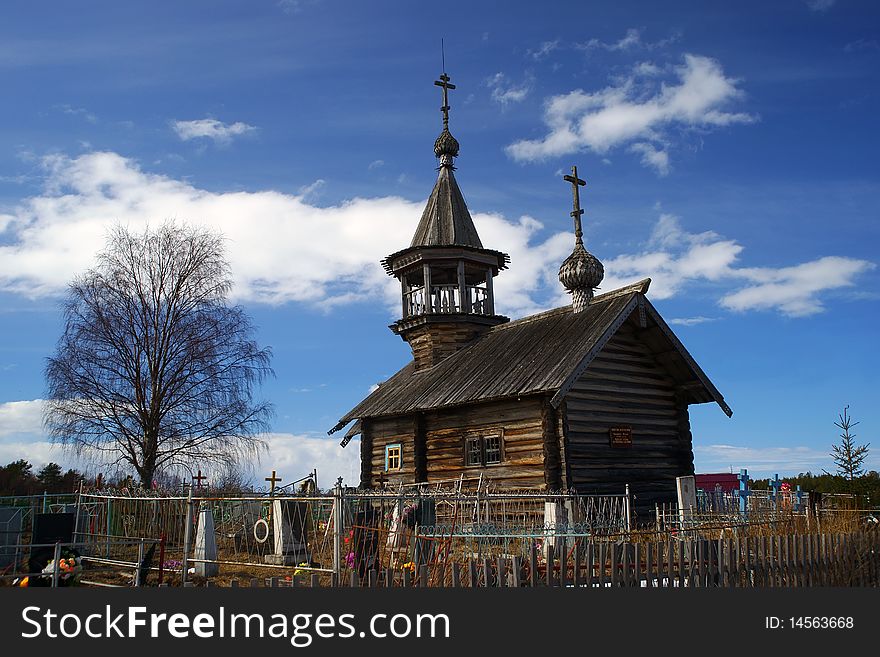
{"x": 153, "y": 368}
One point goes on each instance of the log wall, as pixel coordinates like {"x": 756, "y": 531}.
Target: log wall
{"x": 383, "y": 432}
{"x": 520, "y": 421}
{"x": 524, "y": 430}
{"x": 625, "y": 386}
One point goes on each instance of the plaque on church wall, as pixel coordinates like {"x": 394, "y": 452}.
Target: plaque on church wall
{"x": 621, "y": 436}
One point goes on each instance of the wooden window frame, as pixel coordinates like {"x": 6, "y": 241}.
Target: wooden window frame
{"x": 388, "y": 456}
{"x": 471, "y": 436}
{"x": 468, "y": 451}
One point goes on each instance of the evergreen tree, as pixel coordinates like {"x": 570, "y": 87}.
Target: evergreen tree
{"x": 848, "y": 457}
{"x": 50, "y": 478}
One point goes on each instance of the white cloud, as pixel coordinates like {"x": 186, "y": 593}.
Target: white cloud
{"x": 375, "y": 164}
{"x": 759, "y": 461}
{"x": 312, "y": 190}
{"x": 646, "y": 69}
{"x": 36, "y": 452}
{"x": 625, "y": 113}
{"x": 632, "y": 40}
{"x": 690, "y": 321}
{"x": 652, "y": 157}
{"x": 674, "y": 259}
{"x": 21, "y": 417}
{"x": 543, "y": 50}
{"x": 283, "y": 249}
{"x": 22, "y": 436}
{"x": 280, "y": 247}
{"x": 820, "y": 5}
{"x": 505, "y": 92}
{"x": 862, "y": 45}
{"x": 77, "y": 111}
{"x": 210, "y": 129}
{"x": 294, "y": 456}
{"x": 795, "y": 290}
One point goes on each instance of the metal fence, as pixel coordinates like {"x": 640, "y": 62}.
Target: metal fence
{"x": 352, "y": 536}
{"x": 731, "y": 507}
{"x": 330, "y": 534}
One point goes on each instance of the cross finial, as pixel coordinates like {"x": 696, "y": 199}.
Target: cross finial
{"x": 576, "y": 202}
{"x": 272, "y": 481}
{"x": 444, "y": 82}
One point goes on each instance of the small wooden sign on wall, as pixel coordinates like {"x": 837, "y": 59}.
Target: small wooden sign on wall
{"x": 621, "y": 436}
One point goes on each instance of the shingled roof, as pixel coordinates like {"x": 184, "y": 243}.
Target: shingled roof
{"x": 446, "y": 220}
{"x": 541, "y": 353}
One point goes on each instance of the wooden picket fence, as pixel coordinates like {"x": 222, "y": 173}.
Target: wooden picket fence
{"x": 758, "y": 561}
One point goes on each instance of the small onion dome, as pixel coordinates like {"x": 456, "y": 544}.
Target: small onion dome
{"x": 446, "y": 144}
{"x": 580, "y": 274}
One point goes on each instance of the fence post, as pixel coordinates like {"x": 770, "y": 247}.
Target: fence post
{"x": 140, "y": 561}
{"x": 187, "y": 536}
{"x": 76, "y": 512}
{"x": 109, "y": 527}
{"x": 56, "y": 565}
{"x": 628, "y": 510}
{"x": 161, "y": 557}
{"x": 337, "y": 530}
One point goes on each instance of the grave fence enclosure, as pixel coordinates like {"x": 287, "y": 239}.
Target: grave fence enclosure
{"x": 440, "y": 537}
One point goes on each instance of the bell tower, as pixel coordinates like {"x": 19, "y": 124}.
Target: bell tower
{"x": 445, "y": 274}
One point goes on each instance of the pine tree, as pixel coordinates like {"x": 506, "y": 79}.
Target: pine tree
{"x": 847, "y": 456}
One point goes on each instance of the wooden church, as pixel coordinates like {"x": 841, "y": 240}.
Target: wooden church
{"x": 587, "y": 397}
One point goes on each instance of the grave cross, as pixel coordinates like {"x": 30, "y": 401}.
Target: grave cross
{"x": 576, "y": 202}
{"x": 199, "y": 478}
{"x": 444, "y": 82}
{"x": 272, "y": 481}
{"x": 743, "y": 491}
{"x": 775, "y": 484}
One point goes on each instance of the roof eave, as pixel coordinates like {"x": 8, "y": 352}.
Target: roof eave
{"x": 692, "y": 364}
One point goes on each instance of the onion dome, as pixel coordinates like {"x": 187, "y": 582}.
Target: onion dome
{"x": 580, "y": 273}
{"x": 446, "y": 144}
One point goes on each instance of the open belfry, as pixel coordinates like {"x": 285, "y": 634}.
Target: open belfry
{"x": 589, "y": 397}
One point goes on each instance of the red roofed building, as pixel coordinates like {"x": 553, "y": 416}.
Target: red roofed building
{"x": 727, "y": 481}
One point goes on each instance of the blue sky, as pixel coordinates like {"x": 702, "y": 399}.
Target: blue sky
{"x": 730, "y": 151}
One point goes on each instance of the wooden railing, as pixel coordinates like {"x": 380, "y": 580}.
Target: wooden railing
{"x": 446, "y": 299}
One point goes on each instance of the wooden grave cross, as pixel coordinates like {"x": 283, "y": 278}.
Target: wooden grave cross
{"x": 199, "y": 478}
{"x": 576, "y": 202}
{"x": 272, "y": 481}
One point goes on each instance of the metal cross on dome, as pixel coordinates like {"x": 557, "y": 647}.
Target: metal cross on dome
{"x": 576, "y": 202}
{"x": 444, "y": 82}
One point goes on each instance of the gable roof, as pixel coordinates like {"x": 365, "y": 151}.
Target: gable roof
{"x": 541, "y": 353}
